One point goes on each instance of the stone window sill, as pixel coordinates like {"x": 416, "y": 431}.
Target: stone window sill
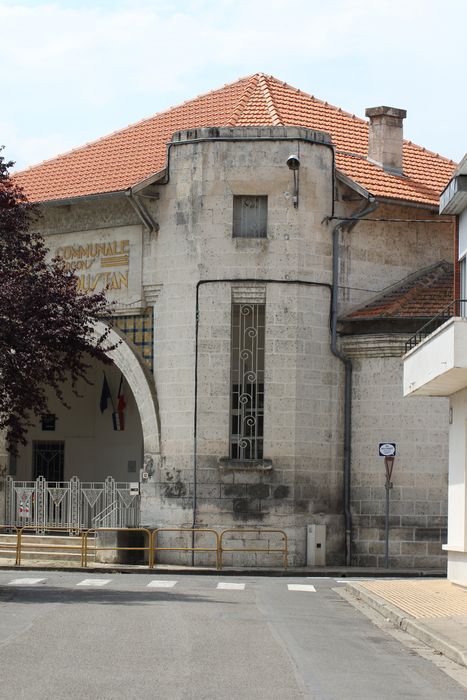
{"x": 245, "y": 465}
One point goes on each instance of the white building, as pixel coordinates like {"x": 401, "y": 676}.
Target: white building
{"x": 243, "y": 237}
{"x": 437, "y": 366}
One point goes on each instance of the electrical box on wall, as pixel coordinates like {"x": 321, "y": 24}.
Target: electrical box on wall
{"x": 316, "y": 545}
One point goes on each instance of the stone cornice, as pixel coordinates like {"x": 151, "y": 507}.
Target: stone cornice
{"x": 374, "y": 345}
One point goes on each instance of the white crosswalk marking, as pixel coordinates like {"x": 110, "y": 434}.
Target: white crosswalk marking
{"x": 25, "y": 581}
{"x": 226, "y": 585}
{"x": 94, "y": 582}
{"x": 301, "y": 587}
{"x": 161, "y": 584}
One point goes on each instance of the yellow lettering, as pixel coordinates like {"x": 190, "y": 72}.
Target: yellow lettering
{"x": 123, "y": 280}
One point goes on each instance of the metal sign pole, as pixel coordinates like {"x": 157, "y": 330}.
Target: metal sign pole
{"x": 388, "y": 465}
{"x": 388, "y": 451}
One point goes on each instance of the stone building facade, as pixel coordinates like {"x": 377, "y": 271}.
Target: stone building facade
{"x": 239, "y": 279}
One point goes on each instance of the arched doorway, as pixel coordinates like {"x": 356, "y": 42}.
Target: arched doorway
{"x": 93, "y": 452}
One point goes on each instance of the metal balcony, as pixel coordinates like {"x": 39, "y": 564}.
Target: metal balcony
{"x": 458, "y": 308}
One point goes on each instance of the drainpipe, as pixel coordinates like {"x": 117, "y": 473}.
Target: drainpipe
{"x": 143, "y": 214}
{"x": 345, "y": 225}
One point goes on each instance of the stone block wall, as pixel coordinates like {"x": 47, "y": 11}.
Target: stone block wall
{"x": 419, "y": 427}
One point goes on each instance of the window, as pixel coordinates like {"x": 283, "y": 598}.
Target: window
{"x": 247, "y": 381}
{"x": 250, "y": 216}
{"x": 48, "y": 460}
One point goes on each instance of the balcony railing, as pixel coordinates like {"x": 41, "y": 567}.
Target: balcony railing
{"x": 458, "y": 307}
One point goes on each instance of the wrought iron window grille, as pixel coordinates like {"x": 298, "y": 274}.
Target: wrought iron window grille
{"x": 247, "y": 382}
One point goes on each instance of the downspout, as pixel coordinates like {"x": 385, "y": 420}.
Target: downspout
{"x": 143, "y": 214}
{"x": 345, "y": 225}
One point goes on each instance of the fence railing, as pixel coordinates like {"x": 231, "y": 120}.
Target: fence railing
{"x": 458, "y": 307}
{"x": 152, "y": 547}
{"x": 186, "y": 530}
{"x": 259, "y": 532}
{"x": 73, "y": 504}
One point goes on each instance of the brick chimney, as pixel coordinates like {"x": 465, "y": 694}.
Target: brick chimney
{"x": 385, "y": 137}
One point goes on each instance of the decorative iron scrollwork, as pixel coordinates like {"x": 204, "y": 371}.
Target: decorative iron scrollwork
{"x": 247, "y": 381}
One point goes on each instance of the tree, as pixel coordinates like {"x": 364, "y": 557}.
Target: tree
{"x": 46, "y": 325}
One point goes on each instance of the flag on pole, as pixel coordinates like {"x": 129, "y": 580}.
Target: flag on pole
{"x": 105, "y": 395}
{"x": 118, "y": 416}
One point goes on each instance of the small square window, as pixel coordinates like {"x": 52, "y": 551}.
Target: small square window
{"x": 250, "y": 216}
{"x": 48, "y": 421}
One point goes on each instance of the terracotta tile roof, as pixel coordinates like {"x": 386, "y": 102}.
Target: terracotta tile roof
{"x": 130, "y": 155}
{"x": 422, "y": 295}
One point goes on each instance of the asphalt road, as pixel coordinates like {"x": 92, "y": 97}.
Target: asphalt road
{"x": 74, "y": 635}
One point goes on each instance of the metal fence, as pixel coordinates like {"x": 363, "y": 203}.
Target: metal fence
{"x": 458, "y": 308}
{"x": 73, "y": 504}
{"x": 151, "y": 547}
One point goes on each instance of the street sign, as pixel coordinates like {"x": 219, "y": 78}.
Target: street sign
{"x": 387, "y": 449}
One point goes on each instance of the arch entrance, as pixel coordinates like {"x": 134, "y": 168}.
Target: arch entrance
{"x": 81, "y": 466}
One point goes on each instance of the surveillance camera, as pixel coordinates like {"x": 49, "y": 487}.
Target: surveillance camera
{"x": 293, "y": 162}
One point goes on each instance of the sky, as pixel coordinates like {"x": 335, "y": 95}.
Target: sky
{"x": 75, "y": 70}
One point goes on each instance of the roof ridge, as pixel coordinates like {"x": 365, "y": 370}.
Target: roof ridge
{"x": 250, "y": 86}
{"x": 264, "y": 85}
{"x": 133, "y": 124}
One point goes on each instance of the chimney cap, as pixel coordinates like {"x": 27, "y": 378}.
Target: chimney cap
{"x": 384, "y": 111}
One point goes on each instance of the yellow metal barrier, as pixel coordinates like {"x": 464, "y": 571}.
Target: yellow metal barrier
{"x": 118, "y": 549}
{"x": 13, "y": 547}
{"x": 21, "y": 546}
{"x": 240, "y": 531}
{"x": 186, "y": 549}
{"x": 152, "y": 542}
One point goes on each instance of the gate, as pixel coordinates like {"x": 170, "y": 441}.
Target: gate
{"x": 73, "y": 504}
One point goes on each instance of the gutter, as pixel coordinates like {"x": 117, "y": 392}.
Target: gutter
{"x": 345, "y": 225}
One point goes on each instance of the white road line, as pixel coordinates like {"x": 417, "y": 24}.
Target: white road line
{"x": 25, "y": 581}
{"x": 161, "y": 584}
{"x": 94, "y": 582}
{"x": 301, "y": 587}
{"x": 226, "y": 585}
{"x": 318, "y": 578}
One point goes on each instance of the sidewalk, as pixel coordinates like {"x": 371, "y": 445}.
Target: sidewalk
{"x": 433, "y": 611}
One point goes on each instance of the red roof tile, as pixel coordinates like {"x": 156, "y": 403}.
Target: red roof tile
{"x": 129, "y": 156}
{"x": 422, "y": 295}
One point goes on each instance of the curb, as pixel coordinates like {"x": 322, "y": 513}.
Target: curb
{"x": 322, "y": 572}
{"x": 408, "y": 624}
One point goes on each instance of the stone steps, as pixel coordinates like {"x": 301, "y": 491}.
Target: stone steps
{"x": 46, "y": 547}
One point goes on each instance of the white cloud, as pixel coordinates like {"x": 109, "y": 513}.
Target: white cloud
{"x": 72, "y": 71}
